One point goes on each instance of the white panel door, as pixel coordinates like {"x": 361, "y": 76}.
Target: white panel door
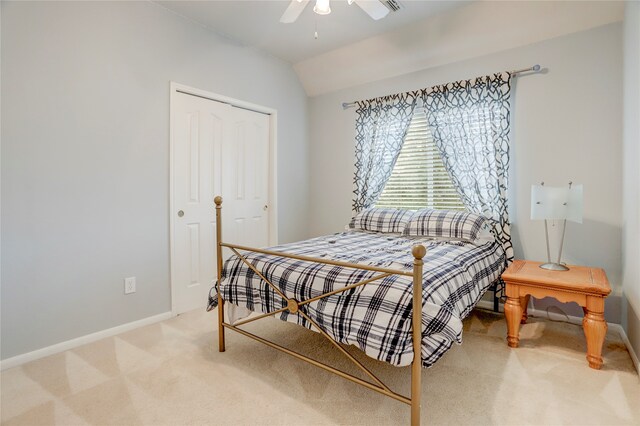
{"x": 245, "y": 179}
{"x": 217, "y": 150}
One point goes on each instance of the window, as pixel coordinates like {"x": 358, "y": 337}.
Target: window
{"x": 419, "y": 178}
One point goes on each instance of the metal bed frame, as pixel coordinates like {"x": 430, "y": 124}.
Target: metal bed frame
{"x": 297, "y": 307}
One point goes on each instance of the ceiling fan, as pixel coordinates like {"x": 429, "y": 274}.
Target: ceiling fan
{"x": 377, "y": 9}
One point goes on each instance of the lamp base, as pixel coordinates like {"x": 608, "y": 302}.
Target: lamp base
{"x": 554, "y": 266}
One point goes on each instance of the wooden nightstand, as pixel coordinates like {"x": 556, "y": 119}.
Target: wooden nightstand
{"x": 588, "y": 287}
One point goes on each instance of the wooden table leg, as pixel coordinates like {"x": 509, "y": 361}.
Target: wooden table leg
{"x": 513, "y": 313}
{"x": 524, "y": 303}
{"x": 595, "y": 329}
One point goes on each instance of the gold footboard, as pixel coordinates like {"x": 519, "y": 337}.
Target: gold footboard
{"x": 293, "y": 306}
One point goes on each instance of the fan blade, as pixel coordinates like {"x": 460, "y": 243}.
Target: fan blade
{"x": 293, "y": 11}
{"x": 374, "y": 8}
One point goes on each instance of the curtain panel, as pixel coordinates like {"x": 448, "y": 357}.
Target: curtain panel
{"x": 381, "y": 126}
{"x": 470, "y": 124}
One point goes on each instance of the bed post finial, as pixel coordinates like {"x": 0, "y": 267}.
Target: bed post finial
{"x": 218, "y": 201}
{"x": 418, "y": 251}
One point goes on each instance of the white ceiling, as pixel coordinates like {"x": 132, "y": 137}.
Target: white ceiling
{"x": 475, "y": 30}
{"x": 352, "y": 49}
{"x": 256, "y": 23}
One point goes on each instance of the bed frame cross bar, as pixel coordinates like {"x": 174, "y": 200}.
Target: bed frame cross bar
{"x": 293, "y": 306}
{"x": 319, "y": 260}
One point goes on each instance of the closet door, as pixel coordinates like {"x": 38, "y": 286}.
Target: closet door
{"x": 217, "y": 150}
{"x": 245, "y": 179}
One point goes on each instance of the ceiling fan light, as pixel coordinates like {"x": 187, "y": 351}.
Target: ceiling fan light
{"x": 322, "y": 7}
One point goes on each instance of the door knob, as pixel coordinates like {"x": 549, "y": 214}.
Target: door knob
{"x": 265, "y": 207}
{"x": 180, "y": 213}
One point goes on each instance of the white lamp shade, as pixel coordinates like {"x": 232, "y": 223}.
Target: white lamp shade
{"x": 322, "y": 7}
{"x": 553, "y": 203}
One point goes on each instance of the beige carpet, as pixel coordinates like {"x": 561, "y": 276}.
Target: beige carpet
{"x": 171, "y": 373}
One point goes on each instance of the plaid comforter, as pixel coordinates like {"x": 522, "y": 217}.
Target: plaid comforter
{"x": 375, "y": 317}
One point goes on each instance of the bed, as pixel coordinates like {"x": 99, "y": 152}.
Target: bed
{"x": 360, "y": 287}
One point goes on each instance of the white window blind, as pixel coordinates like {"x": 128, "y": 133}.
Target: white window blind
{"x": 419, "y": 178}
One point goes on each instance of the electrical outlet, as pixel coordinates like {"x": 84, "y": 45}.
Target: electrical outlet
{"x": 129, "y": 285}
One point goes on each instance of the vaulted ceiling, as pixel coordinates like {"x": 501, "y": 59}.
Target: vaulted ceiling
{"x": 353, "y": 49}
{"x": 257, "y": 23}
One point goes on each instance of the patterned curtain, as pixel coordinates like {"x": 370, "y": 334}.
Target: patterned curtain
{"x": 469, "y": 121}
{"x": 381, "y": 127}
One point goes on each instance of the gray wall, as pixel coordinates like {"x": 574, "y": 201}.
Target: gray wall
{"x": 85, "y": 157}
{"x": 631, "y": 249}
{"x": 567, "y": 125}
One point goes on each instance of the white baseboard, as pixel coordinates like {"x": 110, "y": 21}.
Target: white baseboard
{"x": 79, "y": 341}
{"x": 627, "y": 343}
{"x": 486, "y": 304}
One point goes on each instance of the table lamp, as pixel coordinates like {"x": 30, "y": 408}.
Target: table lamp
{"x": 556, "y": 203}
